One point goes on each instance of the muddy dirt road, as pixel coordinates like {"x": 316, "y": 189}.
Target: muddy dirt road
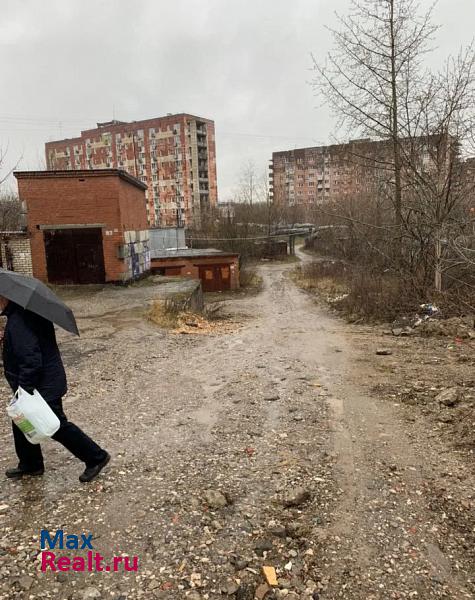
{"x": 231, "y": 452}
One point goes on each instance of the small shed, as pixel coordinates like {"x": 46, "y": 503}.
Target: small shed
{"x": 218, "y": 270}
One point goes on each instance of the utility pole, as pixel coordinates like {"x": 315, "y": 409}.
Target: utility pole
{"x": 251, "y": 188}
{"x": 438, "y": 261}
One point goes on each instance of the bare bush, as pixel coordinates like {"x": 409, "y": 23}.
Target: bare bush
{"x": 10, "y": 213}
{"x": 164, "y": 314}
{"x": 10, "y": 206}
{"x": 249, "y": 278}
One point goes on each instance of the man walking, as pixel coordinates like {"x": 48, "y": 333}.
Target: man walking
{"x": 31, "y": 360}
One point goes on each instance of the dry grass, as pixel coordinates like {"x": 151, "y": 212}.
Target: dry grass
{"x": 193, "y": 324}
{"x": 165, "y": 316}
{"x": 323, "y": 278}
{"x": 358, "y": 293}
{"x": 162, "y": 314}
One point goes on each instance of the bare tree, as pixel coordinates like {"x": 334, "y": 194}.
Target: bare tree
{"x": 252, "y": 186}
{"x": 5, "y": 174}
{"x": 438, "y": 178}
{"x": 253, "y": 201}
{"x": 372, "y": 76}
{"x": 10, "y": 213}
{"x": 376, "y": 83}
{"x": 10, "y": 206}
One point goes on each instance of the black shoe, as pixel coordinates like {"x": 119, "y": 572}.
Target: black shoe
{"x": 91, "y": 472}
{"x": 18, "y": 473}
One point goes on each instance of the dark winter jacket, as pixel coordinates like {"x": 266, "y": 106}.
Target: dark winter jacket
{"x": 31, "y": 357}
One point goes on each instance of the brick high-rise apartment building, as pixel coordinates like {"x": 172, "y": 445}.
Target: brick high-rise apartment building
{"x": 175, "y": 156}
{"x": 309, "y": 176}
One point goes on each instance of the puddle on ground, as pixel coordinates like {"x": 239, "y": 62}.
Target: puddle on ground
{"x": 72, "y": 355}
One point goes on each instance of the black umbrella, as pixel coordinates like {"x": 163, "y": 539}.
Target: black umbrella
{"x": 35, "y": 296}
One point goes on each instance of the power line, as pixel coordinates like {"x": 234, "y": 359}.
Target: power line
{"x": 260, "y": 237}
{"x": 75, "y": 121}
{"x": 24, "y": 118}
{"x": 266, "y": 136}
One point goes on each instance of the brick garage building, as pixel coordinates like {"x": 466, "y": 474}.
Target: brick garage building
{"x": 218, "y": 270}
{"x": 85, "y": 226}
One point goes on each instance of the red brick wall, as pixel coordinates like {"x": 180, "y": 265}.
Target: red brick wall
{"x": 213, "y": 183}
{"x": 67, "y": 200}
{"x": 132, "y": 207}
{"x": 133, "y": 211}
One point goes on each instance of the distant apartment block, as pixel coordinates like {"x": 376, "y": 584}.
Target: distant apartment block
{"x": 310, "y": 176}
{"x": 315, "y": 175}
{"x": 175, "y": 156}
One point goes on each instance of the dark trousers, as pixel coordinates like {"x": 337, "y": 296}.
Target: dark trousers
{"x": 69, "y": 435}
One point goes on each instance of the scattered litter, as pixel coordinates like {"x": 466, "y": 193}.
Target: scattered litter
{"x": 431, "y": 323}
{"x": 429, "y": 309}
{"x": 270, "y": 575}
{"x": 337, "y": 298}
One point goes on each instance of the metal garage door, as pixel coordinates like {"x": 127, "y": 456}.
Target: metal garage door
{"x": 215, "y": 278}
{"x": 74, "y": 256}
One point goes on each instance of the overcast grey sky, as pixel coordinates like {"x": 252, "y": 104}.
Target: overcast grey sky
{"x": 66, "y": 64}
